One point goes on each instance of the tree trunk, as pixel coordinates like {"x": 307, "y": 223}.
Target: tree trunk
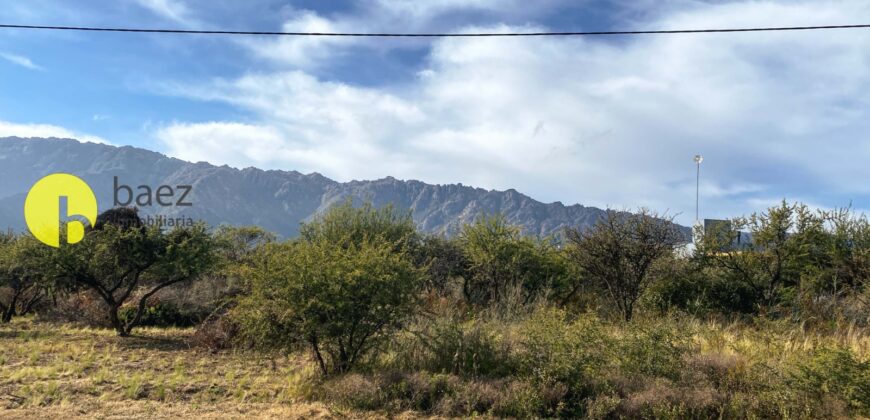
{"x": 316, "y": 348}
{"x": 27, "y": 307}
{"x": 140, "y": 309}
{"x": 7, "y": 315}
{"x": 116, "y": 322}
{"x": 628, "y": 312}
{"x": 9, "y": 311}
{"x": 343, "y": 360}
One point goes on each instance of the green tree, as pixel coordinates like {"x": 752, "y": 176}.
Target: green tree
{"x": 23, "y": 279}
{"x": 443, "y": 260}
{"x": 848, "y": 248}
{"x": 339, "y": 301}
{"x": 346, "y": 225}
{"x": 688, "y": 284}
{"x": 236, "y": 248}
{"x": 502, "y": 261}
{"x": 115, "y": 258}
{"x": 237, "y": 244}
{"x": 620, "y": 252}
{"x": 784, "y": 242}
{"x": 340, "y": 290}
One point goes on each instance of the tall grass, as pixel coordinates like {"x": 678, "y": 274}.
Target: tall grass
{"x": 551, "y": 363}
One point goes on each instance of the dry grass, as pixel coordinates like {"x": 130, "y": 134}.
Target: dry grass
{"x": 158, "y": 410}
{"x": 62, "y": 371}
{"x": 777, "y": 339}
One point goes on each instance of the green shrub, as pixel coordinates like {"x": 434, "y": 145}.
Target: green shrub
{"x": 436, "y": 394}
{"x": 555, "y": 350}
{"x": 701, "y": 291}
{"x": 473, "y": 348}
{"x": 520, "y": 400}
{"x": 500, "y": 261}
{"x": 341, "y": 295}
{"x": 655, "y": 348}
{"x": 23, "y": 279}
{"x": 447, "y": 344}
{"x": 338, "y": 302}
{"x": 834, "y": 371}
{"x": 344, "y": 225}
{"x": 557, "y": 353}
{"x": 444, "y": 261}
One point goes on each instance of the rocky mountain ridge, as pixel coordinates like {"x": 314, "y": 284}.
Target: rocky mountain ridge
{"x": 275, "y": 200}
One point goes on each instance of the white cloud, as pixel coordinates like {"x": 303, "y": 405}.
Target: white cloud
{"x": 441, "y": 15}
{"x": 583, "y": 120}
{"x": 9, "y": 129}
{"x": 21, "y": 60}
{"x": 174, "y": 10}
{"x": 312, "y": 126}
{"x": 406, "y": 16}
{"x": 241, "y": 144}
{"x": 422, "y": 11}
{"x": 304, "y": 51}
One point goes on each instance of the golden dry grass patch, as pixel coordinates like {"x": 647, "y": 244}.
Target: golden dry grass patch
{"x": 63, "y": 371}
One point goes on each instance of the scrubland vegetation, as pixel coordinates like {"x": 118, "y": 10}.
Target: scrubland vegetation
{"x": 363, "y": 316}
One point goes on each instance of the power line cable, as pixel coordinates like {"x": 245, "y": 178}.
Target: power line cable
{"x": 430, "y": 35}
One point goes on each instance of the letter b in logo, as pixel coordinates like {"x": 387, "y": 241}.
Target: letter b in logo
{"x": 42, "y": 208}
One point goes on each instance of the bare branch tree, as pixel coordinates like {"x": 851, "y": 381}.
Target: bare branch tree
{"x": 620, "y": 250}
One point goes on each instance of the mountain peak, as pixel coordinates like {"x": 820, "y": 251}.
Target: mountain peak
{"x": 277, "y": 200}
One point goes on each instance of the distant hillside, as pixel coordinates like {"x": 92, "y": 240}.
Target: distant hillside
{"x": 275, "y": 200}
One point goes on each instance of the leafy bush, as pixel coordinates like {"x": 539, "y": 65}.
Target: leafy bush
{"x": 339, "y": 294}
{"x": 834, "y": 371}
{"x": 23, "y": 278}
{"x": 501, "y": 260}
{"x": 655, "y": 348}
{"x": 556, "y": 352}
{"x": 701, "y": 290}
{"x": 444, "y": 262}
{"x": 344, "y": 225}
{"x": 784, "y": 241}
{"x": 447, "y": 344}
{"x": 340, "y": 302}
{"x": 437, "y": 394}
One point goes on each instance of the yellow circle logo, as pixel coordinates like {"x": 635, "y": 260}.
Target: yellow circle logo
{"x": 42, "y": 208}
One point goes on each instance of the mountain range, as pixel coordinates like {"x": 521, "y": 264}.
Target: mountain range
{"x": 276, "y": 200}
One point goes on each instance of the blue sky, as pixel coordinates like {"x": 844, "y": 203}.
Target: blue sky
{"x": 596, "y": 121}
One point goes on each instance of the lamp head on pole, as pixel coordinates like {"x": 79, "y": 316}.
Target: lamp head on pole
{"x": 699, "y": 159}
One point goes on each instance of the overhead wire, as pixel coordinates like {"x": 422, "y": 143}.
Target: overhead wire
{"x": 430, "y": 35}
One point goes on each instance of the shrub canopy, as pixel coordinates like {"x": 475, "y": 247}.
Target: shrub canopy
{"x": 340, "y": 290}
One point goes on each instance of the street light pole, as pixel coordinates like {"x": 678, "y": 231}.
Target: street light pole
{"x": 698, "y": 160}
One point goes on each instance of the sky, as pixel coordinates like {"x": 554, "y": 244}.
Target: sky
{"x": 600, "y": 121}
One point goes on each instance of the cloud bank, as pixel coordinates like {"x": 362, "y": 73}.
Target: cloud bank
{"x": 9, "y": 129}
{"x": 606, "y": 122}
